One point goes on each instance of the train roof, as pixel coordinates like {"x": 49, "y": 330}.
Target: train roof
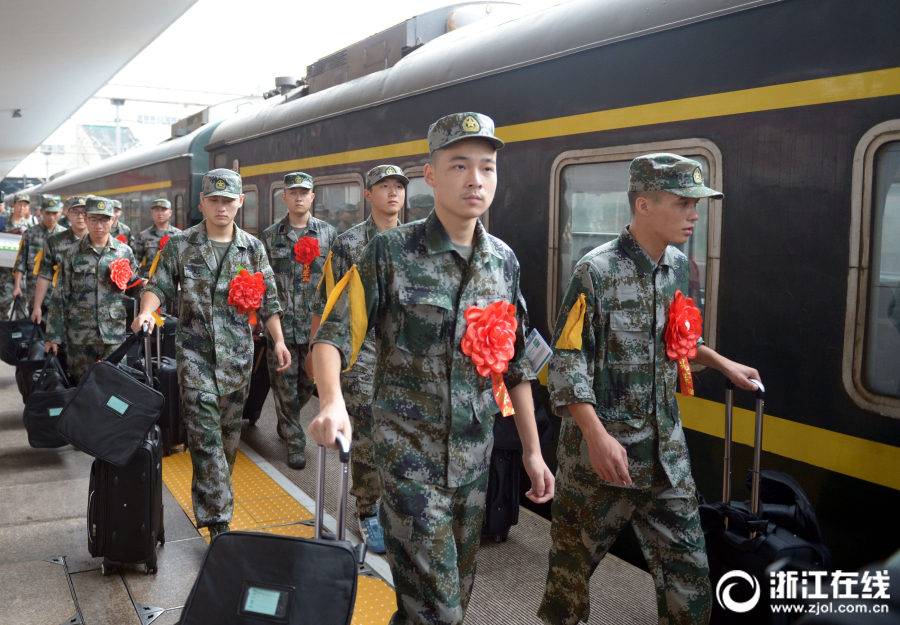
{"x": 179, "y": 147}
{"x": 493, "y": 45}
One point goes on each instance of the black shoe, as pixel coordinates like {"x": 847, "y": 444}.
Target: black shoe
{"x": 296, "y": 460}
{"x": 218, "y": 528}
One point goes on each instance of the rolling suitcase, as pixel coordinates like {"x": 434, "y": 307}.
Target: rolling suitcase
{"x": 255, "y": 578}
{"x": 259, "y": 381}
{"x": 742, "y": 543}
{"x": 165, "y": 380}
{"x": 125, "y": 509}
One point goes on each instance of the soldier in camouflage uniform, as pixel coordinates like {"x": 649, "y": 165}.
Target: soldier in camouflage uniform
{"x": 622, "y": 453}
{"x": 214, "y": 343}
{"x": 64, "y": 219}
{"x": 386, "y": 191}
{"x": 120, "y": 229}
{"x": 21, "y": 204}
{"x": 296, "y": 293}
{"x": 54, "y": 247}
{"x": 86, "y": 312}
{"x": 433, "y": 412}
{"x": 33, "y": 245}
{"x": 146, "y": 244}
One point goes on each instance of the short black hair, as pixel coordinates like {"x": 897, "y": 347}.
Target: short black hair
{"x": 653, "y": 196}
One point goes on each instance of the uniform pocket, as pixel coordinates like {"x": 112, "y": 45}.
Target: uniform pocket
{"x": 628, "y": 338}
{"x": 485, "y": 405}
{"x": 424, "y": 312}
{"x": 409, "y": 403}
{"x": 281, "y": 259}
{"x": 84, "y": 278}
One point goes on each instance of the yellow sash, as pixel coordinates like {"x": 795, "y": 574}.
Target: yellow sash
{"x": 327, "y": 276}
{"x": 570, "y": 338}
{"x": 37, "y": 260}
{"x": 359, "y": 321}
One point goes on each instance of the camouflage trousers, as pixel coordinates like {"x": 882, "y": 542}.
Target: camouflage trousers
{"x": 366, "y": 487}
{"x": 432, "y": 535}
{"x": 6, "y": 290}
{"x": 79, "y": 358}
{"x": 292, "y": 389}
{"x": 588, "y": 515}
{"x": 213, "y": 425}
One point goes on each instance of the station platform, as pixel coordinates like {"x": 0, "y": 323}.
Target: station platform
{"x": 47, "y": 576}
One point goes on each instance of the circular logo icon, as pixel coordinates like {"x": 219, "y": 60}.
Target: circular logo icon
{"x": 723, "y": 590}
{"x": 101, "y": 205}
{"x": 389, "y": 171}
{"x": 698, "y": 176}
{"x": 220, "y": 185}
{"x": 298, "y": 179}
{"x": 470, "y": 124}
{"x": 52, "y": 203}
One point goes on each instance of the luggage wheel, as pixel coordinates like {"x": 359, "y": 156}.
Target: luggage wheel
{"x": 107, "y": 569}
{"x": 150, "y": 569}
{"x": 501, "y": 538}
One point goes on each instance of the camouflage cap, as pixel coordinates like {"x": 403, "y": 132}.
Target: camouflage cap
{"x": 22, "y": 197}
{"x": 50, "y": 203}
{"x": 298, "y": 179}
{"x": 97, "y": 205}
{"x": 669, "y": 172}
{"x": 162, "y": 202}
{"x": 459, "y": 126}
{"x": 222, "y": 182}
{"x": 76, "y": 200}
{"x": 422, "y": 200}
{"x": 116, "y": 204}
{"x": 384, "y": 171}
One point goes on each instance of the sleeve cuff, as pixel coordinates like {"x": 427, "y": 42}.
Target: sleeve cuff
{"x": 155, "y": 290}
{"x": 578, "y": 394}
{"x": 336, "y": 335}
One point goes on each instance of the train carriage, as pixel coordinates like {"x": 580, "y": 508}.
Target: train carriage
{"x": 792, "y": 107}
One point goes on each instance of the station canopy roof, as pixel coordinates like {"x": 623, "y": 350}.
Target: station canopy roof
{"x": 58, "y": 53}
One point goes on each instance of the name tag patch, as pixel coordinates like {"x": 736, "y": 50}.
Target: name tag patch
{"x": 54, "y": 412}
{"x": 117, "y": 404}
{"x": 16, "y": 335}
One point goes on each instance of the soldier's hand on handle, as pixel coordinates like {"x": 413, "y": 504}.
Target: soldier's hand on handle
{"x": 283, "y": 355}
{"x": 140, "y": 320}
{"x": 36, "y": 315}
{"x": 17, "y": 291}
{"x": 542, "y": 480}
{"x": 51, "y": 347}
{"x": 332, "y": 418}
{"x": 741, "y": 375}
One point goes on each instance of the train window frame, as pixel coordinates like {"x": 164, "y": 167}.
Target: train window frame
{"x": 683, "y": 147}
{"x": 255, "y": 189}
{"x": 856, "y": 321}
{"x": 345, "y": 178}
{"x": 275, "y": 187}
{"x": 419, "y": 172}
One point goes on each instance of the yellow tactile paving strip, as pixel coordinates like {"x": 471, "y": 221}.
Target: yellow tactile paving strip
{"x": 261, "y": 505}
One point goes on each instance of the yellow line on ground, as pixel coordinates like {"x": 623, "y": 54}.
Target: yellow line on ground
{"x": 860, "y": 86}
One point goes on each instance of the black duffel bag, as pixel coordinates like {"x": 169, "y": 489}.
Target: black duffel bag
{"x": 41, "y": 413}
{"x": 112, "y": 410}
{"x": 31, "y": 356}
{"x": 16, "y": 332}
{"x": 46, "y": 374}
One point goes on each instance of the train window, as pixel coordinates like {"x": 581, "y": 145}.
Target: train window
{"x": 250, "y": 210}
{"x": 133, "y": 215}
{"x": 219, "y": 160}
{"x": 419, "y": 199}
{"x": 339, "y": 200}
{"x": 881, "y": 366}
{"x": 279, "y": 208}
{"x": 591, "y": 203}
{"x": 179, "y": 212}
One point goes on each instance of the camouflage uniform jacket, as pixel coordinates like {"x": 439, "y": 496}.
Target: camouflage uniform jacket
{"x": 32, "y": 243}
{"x": 54, "y": 247}
{"x": 122, "y": 229}
{"x": 297, "y": 298}
{"x": 86, "y": 306}
{"x": 214, "y": 347}
{"x": 146, "y": 245}
{"x": 346, "y": 252}
{"x": 622, "y": 367}
{"x": 434, "y": 414}
{"x": 64, "y": 222}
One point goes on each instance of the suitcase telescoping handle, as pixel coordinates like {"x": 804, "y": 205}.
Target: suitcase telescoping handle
{"x": 148, "y": 364}
{"x": 344, "y": 456}
{"x": 158, "y": 334}
{"x": 757, "y": 443}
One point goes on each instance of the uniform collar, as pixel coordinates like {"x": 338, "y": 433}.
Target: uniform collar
{"x": 640, "y": 256}
{"x": 84, "y": 244}
{"x": 372, "y": 229}
{"x": 287, "y": 229}
{"x": 437, "y": 240}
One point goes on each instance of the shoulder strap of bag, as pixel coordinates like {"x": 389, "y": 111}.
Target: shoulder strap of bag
{"x": 50, "y": 362}
{"x": 117, "y": 356}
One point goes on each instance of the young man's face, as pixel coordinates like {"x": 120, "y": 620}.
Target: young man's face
{"x": 99, "y": 227}
{"x": 464, "y": 177}
{"x": 117, "y": 212}
{"x": 49, "y": 219}
{"x": 76, "y": 216}
{"x": 220, "y": 210}
{"x": 298, "y": 200}
{"x": 22, "y": 208}
{"x": 671, "y": 217}
{"x": 387, "y": 196}
{"x": 161, "y": 216}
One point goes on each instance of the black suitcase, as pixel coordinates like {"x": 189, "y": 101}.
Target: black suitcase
{"x": 255, "y": 578}
{"x": 742, "y": 543}
{"x": 259, "y": 381}
{"x": 165, "y": 380}
{"x": 125, "y": 509}
{"x": 14, "y": 333}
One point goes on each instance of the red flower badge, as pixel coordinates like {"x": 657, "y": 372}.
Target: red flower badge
{"x": 685, "y": 327}
{"x": 306, "y": 250}
{"x": 122, "y": 238}
{"x": 120, "y": 272}
{"x": 245, "y": 292}
{"x": 163, "y": 241}
{"x": 490, "y": 343}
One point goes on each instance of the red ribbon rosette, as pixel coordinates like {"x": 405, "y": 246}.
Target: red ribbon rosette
{"x": 122, "y": 238}
{"x": 305, "y": 252}
{"x": 682, "y": 332}
{"x": 490, "y": 343}
{"x": 163, "y": 241}
{"x": 120, "y": 272}
{"x": 245, "y": 292}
